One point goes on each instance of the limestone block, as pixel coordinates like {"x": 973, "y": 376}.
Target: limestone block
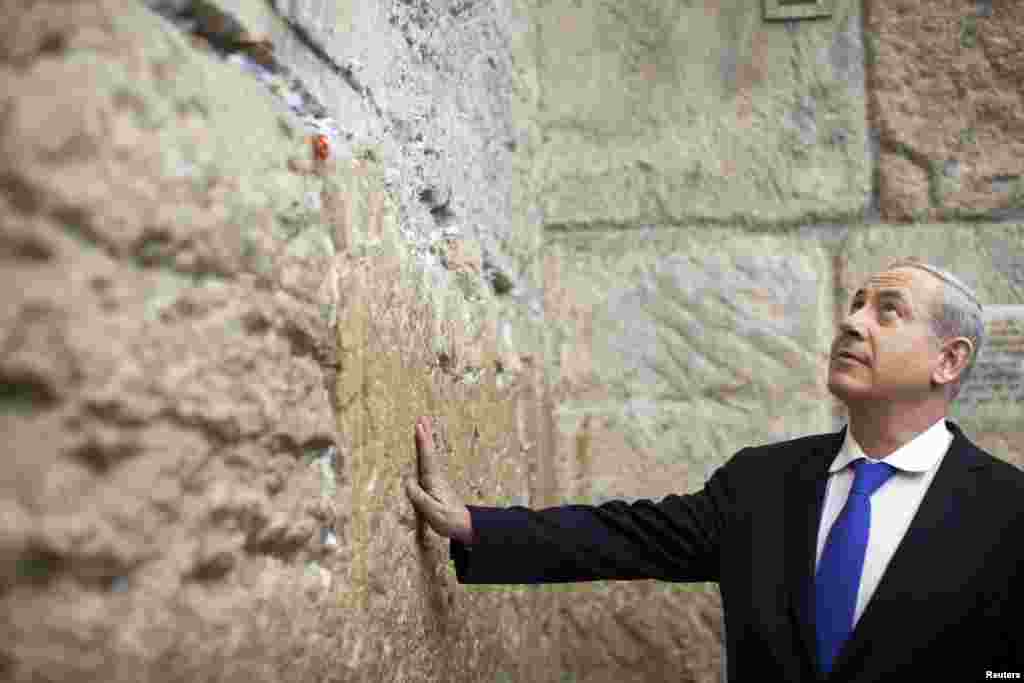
{"x": 671, "y": 350}
{"x": 986, "y": 257}
{"x": 645, "y": 629}
{"x": 992, "y": 397}
{"x": 428, "y": 87}
{"x": 905, "y": 186}
{"x": 389, "y": 374}
{"x": 945, "y": 86}
{"x": 655, "y": 112}
{"x": 665, "y": 343}
{"x": 184, "y": 496}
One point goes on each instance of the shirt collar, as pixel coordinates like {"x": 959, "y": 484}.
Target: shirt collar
{"x": 920, "y": 454}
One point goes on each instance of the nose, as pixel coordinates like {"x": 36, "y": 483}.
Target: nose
{"x": 848, "y": 331}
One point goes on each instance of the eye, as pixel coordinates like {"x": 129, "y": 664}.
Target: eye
{"x": 888, "y": 305}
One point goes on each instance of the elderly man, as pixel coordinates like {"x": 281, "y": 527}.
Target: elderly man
{"x": 892, "y": 550}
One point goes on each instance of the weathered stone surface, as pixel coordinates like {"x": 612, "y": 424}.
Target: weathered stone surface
{"x": 213, "y": 346}
{"x": 389, "y": 374}
{"x": 675, "y": 112}
{"x": 212, "y": 353}
{"x": 946, "y": 94}
{"x": 638, "y": 631}
{"x": 426, "y": 87}
{"x": 993, "y": 395}
{"x": 671, "y": 350}
{"x": 673, "y": 338}
{"x": 989, "y": 258}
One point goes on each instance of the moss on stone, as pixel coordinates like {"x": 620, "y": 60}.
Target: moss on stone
{"x": 23, "y": 396}
{"x": 38, "y": 567}
{"x": 366, "y": 153}
{"x": 468, "y": 284}
{"x": 689, "y": 587}
{"x": 870, "y": 47}
{"x": 935, "y": 183}
{"x": 1017, "y": 193}
{"x": 294, "y": 221}
{"x": 328, "y": 313}
{"x": 500, "y": 282}
{"x": 969, "y": 31}
{"x": 254, "y": 260}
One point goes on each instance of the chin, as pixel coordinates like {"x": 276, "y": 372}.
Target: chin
{"x": 847, "y": 391}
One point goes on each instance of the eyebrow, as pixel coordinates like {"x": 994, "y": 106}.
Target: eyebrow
{"x": 884, "y": 293}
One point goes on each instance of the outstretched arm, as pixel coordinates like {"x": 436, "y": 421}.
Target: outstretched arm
{"x": 675, "y": 539}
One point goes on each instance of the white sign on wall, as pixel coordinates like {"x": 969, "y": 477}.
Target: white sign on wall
{"x": 998, "y": 376}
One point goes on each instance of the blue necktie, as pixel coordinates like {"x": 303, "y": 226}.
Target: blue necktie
{"x": 842, "y": 562}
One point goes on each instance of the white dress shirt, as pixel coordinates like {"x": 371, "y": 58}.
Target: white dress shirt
{"x": 893, "y": 505}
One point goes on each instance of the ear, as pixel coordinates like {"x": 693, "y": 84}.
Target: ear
{"x": 954, "y": 355}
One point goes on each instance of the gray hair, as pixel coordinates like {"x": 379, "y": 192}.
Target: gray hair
{"x": 959, "y": 314}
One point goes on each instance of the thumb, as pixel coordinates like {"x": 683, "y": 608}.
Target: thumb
{"x": 421, "y": 500}
{"x": 426, "y": 506}
{"x": 412, "y": 489}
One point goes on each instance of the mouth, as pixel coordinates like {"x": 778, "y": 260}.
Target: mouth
{"x": 849, "y": 357}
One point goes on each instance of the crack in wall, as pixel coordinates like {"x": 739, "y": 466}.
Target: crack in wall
{"x": 345, "y": 72}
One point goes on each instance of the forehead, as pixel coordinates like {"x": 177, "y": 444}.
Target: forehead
{"x": 914, "y": 284}
{"x": 904, "y": 279}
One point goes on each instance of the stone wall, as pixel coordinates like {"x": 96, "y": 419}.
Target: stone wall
{"x": 603, "y": 245}
{"x": 216, "y": 339}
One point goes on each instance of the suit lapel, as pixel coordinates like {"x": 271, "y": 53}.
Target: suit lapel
{"x": 922, "y": 548}
{"x": 804, "y": 498}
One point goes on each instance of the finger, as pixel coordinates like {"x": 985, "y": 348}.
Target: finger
{"x": 428, "y": 426}
{"x": 424, "y": 502}
{"x": 425, "y": 452}
{"x": 413, "y": 490}
{"x": 422, "y": 432}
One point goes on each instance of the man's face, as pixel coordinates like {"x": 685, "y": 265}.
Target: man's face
{"x": 887, "y": 326}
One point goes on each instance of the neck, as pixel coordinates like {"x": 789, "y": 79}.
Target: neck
{"x": 882, "y": 428}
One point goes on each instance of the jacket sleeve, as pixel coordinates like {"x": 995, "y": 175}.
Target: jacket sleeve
{"x": 676, "y": 539}
{"x": 1010, "y": 638}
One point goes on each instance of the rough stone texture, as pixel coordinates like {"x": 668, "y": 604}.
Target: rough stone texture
{"x": 639, "y": 632}
{"x": 408, "y": 620}
{"x": 989, "y": 258}
{"x": 661, "y": 111}
{"x": 671, "y": 340}
{"x": 213, "y": 346}
{"x": 671, "y": 350}
{"x": 212, "y": 353}
{"x": 946, "y": 95}
{"x": 427, "y": 87}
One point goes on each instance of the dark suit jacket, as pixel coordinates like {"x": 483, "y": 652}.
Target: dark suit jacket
{"x": 950, "y": 604}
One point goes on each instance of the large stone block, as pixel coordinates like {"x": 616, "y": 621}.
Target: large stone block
{"x": 164, "y": 357}
{"x": 212, "y": 352}
{"x": 429, "y": 88}
{"x": 665, "y": 343}
{"x": 671, "y": 350}
{"x": 944, "y": 80}
{"x": 659, "y": 111}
